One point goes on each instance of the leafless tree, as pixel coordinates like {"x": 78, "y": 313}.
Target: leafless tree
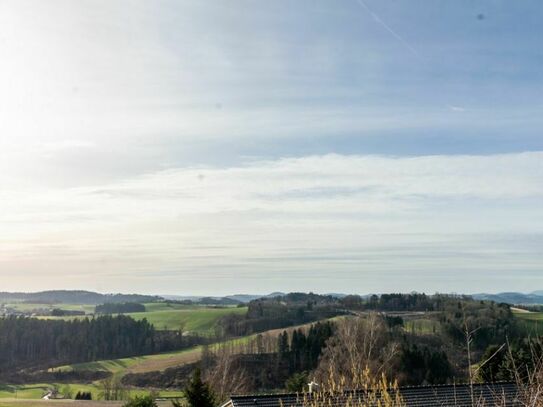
{"x": 225, "y": 376}
{"x": 360, "y": 347}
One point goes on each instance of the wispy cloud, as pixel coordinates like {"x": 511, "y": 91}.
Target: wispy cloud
{"x": 140, "y": 142}
{"x": 456, "y": 108}
{"x": 352, "y": 214}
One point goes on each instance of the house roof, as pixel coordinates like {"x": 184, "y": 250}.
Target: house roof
{"x": 485, "y": 395}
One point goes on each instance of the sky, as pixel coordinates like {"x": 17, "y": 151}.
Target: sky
{"x": 220, "y": 147}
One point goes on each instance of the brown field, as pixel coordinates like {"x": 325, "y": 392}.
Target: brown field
{"x": 152, "y": 364}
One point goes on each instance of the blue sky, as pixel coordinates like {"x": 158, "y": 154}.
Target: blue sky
{"x": 190, "y": 147}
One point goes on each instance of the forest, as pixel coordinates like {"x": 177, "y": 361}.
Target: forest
{"x": 289, "y": 360}
{"x": 30, "y": 342}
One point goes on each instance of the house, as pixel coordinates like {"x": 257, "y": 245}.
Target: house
{"x": 483, "y": 395}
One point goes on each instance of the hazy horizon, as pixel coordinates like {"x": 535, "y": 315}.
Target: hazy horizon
{"x": 215, "y": 148}
{"x": 264, "y": 294}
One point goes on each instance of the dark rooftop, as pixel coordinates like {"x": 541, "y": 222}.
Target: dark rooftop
{"x": 484, "y": 395}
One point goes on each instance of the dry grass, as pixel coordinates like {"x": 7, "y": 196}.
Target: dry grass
{"x": 167, "y": 361}
{"x": 377, "y": 392}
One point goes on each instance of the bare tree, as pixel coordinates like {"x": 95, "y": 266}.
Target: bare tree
{"x": 225, "y": 376}
{"x": 360, "y": 347}
{"x": 112, "y": 389}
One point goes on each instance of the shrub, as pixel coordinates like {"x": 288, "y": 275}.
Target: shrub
{"x": 141, "y": 401}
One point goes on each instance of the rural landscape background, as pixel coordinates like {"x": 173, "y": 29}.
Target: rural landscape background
{"x": 62, "y": 344}
{"x": 339, "y": 202}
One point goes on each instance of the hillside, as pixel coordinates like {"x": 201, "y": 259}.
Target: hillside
{"x": 74, "y": 297}
{"x": 513, "y": 298}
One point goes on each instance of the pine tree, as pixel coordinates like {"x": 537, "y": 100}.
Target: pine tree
{"x": 283, "y": 344}
{"x": 198, "y": 393}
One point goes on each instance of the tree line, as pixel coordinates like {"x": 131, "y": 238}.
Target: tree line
{"x": 119, "y": 308}
{"x": 30, "y": 342}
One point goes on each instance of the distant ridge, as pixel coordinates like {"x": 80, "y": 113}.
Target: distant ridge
{"x": 75, "y": 297}
{"x": 228, "y": 299}
{"x": 534, "y": 298}
{"x": 90, "y": 297}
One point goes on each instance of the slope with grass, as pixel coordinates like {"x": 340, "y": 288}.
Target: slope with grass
{"x": 36, "y": 391}
{"x": 201, "y": 320}
{"x": 163, "y": 361}
{"x": 164, "y": 316}
{"x": 147, "y": 363}
{"x": 529, "y": 316}
{"x": 530, "y": 322}
{"x": 29, "y": 307}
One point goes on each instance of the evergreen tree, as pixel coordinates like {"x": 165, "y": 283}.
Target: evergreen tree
{"x": 198, "y": 393}
{"x": 283, "y": 344}
{"x": 297, "y": 382}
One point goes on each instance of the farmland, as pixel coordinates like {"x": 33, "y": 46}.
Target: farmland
{"x": 530, "y": 316}
{"x": 408, "y": 319}
{"x": 118, "y": 367}
{"x": 36, "y": 391}
{"x": 139, "y": 364}
{"x": 532, "y": 322}
{"x": 29, "y": 307}
{"x": 163, "y": 315}
{"x": 162, "y": 361}
{"x": 201, "y": 320}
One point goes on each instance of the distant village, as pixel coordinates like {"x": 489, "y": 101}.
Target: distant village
{"x": 7, "y": 310}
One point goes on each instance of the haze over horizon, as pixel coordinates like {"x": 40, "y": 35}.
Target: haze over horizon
{"x": 198, "y": 148}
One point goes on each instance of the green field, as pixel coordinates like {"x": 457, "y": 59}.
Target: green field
{"x": 27, "y": 307}
{"x": 530, "y": 316}
{"x": 37, "y": 390}
{"x": 193, "y": 319}
{"x": 162, "y": 361}
{"x": 422, "y": 326}
{"x": 124, "y": 365}
{"x": 531, "y": 322}
{"x": 164, "y": 316}
{"x": 149, "y": 363}
{"x": 198, "y": 319}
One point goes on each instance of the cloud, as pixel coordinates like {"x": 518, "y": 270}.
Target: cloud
{"x": 456, "y": 108}
{"x": 292, "y": 217}
{"x": 138, "y": 141}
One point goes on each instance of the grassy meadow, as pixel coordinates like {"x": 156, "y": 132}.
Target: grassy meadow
{"x": 28, "y": 307}
{"x": 139, "y": 364}
{"x": 163, "y": 315}
{"x": 422, "y": 326}
{"x": 36, "y": 391}
{"x": 532, "y": 322}
{"x": 162, "y": 361}
{"x": 197, "y": 319}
